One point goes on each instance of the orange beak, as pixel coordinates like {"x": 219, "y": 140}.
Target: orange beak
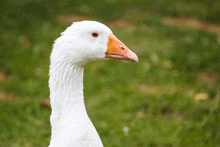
{"x": 117, "y": 50}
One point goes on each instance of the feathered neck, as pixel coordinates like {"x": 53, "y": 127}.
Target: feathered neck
{"x": 70, "y": 123}
{"x": 66, "y": 84}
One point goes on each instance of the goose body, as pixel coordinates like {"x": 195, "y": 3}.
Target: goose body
{"x": 79, "y": 44}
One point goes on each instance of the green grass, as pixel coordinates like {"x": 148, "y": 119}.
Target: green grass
{"x": 154, "y": 98}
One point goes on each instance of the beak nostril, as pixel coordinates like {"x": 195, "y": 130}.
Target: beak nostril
{"x": 122, "y": 48}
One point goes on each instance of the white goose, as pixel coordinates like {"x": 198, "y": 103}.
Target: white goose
{"x": 79, "y": 44}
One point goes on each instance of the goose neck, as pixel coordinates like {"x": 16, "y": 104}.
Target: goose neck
{"x": 66, "y": 86}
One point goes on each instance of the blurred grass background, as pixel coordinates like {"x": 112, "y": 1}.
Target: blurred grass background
{"x": 169, "y": 98}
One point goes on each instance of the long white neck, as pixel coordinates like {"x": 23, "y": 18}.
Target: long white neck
{"x": 70, "y": 123}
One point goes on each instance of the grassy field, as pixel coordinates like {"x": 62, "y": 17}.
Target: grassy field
{"x": 171, "y": 97}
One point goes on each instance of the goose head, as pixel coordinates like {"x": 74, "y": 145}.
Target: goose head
{"x": 87, "y": 41}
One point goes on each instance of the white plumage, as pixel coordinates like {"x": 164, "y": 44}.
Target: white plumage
{"x": 71, "y": 126}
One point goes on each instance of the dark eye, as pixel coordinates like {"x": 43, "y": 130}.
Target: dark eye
{"x": 95, "y": 34}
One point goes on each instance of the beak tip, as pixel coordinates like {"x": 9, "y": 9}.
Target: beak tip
{"x": 134, "y": 56}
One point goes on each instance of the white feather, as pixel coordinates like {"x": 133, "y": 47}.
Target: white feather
{"x": 71, "y": 126}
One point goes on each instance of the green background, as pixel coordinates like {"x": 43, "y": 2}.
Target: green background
{"x": 169, "y": 98}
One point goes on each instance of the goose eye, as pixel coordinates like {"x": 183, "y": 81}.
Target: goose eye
{"x": 95, "y": 34}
